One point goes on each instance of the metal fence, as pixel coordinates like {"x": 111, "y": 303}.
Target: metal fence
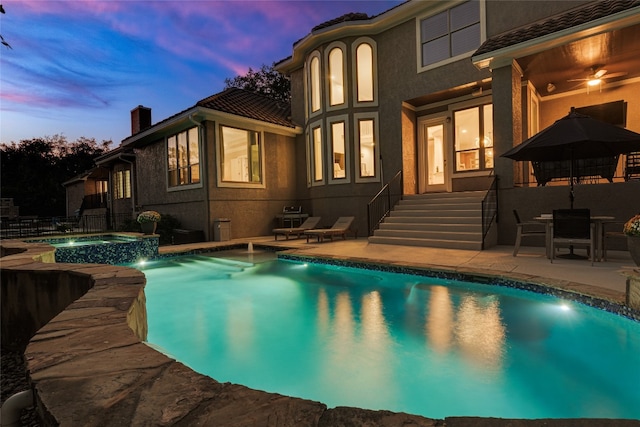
{"x": 21, "y": 227}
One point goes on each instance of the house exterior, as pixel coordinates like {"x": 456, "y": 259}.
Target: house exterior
{"x": 231, "y": 156}
{"x": 439, "y": 89}
{"x": 435, "y": 90}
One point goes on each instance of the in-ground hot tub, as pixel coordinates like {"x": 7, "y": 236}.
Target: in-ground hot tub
{"x": 112, "y": 248}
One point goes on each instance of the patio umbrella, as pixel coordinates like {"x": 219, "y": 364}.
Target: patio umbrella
{"x": 574, "y": 137}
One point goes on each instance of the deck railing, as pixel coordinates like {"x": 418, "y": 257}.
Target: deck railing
{"x": 381, "y": 204}
{"x": 489, "y": 209}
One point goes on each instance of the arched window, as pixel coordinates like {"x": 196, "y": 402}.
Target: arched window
{"x": 336, "y": 76}
{"x": 364, "y": 72}
{"x": 314, "y": 83}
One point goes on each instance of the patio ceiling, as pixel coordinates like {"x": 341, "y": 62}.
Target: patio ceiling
{"x": 616, "y": 51}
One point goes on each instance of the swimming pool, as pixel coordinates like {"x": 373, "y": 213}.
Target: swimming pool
{"x": 406, "y": 343}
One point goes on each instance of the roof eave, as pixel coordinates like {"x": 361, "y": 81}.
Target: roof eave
{"x": 504, "y": 56}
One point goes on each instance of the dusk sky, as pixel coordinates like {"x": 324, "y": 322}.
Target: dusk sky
{"x": 77, "y": 68}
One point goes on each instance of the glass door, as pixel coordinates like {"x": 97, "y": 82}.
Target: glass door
{"x": 433, "y": 170}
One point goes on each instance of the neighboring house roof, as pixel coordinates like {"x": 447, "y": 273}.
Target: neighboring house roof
{"x": 344, "y": 18}
{"x": 572, "y": 18}
{"x": 244, "y": 103}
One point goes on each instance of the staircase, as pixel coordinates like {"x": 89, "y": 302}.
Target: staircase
{"x": 437, "y": 220}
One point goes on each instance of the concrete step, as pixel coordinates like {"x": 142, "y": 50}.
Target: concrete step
{"x": 431, "y": 227}
{"x": 429, "y": 243}
{"x": 430, "y": 235}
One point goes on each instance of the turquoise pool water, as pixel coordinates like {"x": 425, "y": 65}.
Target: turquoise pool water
{"x": 379, "y": 340}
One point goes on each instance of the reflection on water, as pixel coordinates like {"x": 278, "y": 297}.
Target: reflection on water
{"x": 440, "y": 320}
{"x": 479, "y": 331}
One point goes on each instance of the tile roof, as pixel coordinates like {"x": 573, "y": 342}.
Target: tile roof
{"x": 344, "y": 18}
{"x": 251, "y": 105}
{"x": 572, "y": 18}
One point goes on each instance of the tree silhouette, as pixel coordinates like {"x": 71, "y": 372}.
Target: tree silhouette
{"x": 266, "y": 81}
{"x": 2, "y": 40}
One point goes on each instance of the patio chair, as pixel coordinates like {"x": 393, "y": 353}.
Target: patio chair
{"x": 526, "y": 229}
{"x": 611, "y": 234}
{"x": 573, "y": 227}
{"x": 340, "y": 228}
{"x": 308, "y": 224}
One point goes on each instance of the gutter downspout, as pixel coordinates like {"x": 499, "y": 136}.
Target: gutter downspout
{"x": 10, "y": 411}
{"x": 201, "y": 136}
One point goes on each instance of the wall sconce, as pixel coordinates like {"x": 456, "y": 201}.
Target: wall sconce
{"x": 550, "y": 87}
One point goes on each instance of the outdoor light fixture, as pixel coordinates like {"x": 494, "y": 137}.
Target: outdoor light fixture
{"x": 594, "y": 82}
{"x": 550, "y": 87}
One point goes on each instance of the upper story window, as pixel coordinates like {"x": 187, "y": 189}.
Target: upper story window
{"x": 240, "y": 156}
{"x": 474, "y": 138}
{"x": 450, "y": 33}
{"x": 122, "y": 184}
{"x": 336, "y": 69}
{"x": 314, "y": 84}
{"x": 183, "y": 158}
{"x": 364, "y": 63}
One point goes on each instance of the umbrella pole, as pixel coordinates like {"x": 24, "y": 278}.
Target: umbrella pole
{"x": 571, "y": 255}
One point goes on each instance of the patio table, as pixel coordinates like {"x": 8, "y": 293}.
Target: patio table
{"x": 598, "y": 220}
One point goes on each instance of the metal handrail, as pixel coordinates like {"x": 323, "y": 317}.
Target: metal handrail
{"x": 489, "y": 209}
{"x": 380, "y": 206}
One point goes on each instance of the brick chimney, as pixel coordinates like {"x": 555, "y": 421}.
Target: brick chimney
{"x": 140, "y": 119}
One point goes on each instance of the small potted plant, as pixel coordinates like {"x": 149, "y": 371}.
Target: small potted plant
{"x": 632, "y": 230}
{"x": 148, "y": 221}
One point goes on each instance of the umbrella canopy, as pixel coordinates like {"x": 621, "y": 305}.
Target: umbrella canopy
{"x": 576, "y": 136}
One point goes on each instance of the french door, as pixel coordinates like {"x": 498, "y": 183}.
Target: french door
{"x": 433, "y": 169}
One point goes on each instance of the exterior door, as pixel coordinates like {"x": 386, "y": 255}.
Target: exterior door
{"x": 432, "y": 150}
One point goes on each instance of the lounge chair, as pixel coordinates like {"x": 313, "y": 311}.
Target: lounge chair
{"x": 308, "y": 224}
{"x": 340, "y": 228}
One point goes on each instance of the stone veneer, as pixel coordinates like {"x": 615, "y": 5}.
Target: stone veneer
{"x": 88, "y": 364}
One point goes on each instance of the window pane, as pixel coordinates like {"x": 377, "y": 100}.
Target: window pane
{"x": 336, "y": 79}
{"x": 367, "y": 148}
{"x": 254, "y": 152}
{"x": 465, "y": 40}
{"x": 235, "y": 159}
{"x": 194, "y": 155}
{"x": 171, "y": 151}
{"x": 467, "y": 138}
{"x": 315, "y": 84}
{"x": 464, "y": 15}
{"x": 182, "y": 149}
{"x": 127, "y": 184}
{"x": 434, "y": 27}
{"x": 434, "y": 51}
{"x": 487, "y": 120}
{"x": 338, "y": 147}
{"x": 317, "y": 154}
{"x": 364, "y": 63}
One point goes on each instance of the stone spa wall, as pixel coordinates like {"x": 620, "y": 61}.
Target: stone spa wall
{"x": 84, "y": 327}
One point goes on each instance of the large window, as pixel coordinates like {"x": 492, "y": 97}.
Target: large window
{"x": 122, "y": 184}
{"x": 474, "y": 138}
{"x": 336, "y": 76}
{"x": 314, "y": 83}
{"x": 364, "y": 72}
{"x": 366, "y": 129}
{"x": 183, "y": 157}
{"x": 316, "y": 149}
{"x": 339, "y": 149}
{"x": 454, "y": 32}
{"x": 241, "y": 156}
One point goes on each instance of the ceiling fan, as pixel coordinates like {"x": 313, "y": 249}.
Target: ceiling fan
{"x": 597, "y": 75}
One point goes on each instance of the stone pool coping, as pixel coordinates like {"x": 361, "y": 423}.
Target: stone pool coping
{"x": 88, "y": 365}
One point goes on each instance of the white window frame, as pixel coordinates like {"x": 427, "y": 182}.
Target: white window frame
{"x": 374, "y": 71}
{"x": 180, "y": 187}
{"x": 480, "y": 102}
{"x": 345, "y": 80}
{"x": 376, "y": 138}
{"x": 347, "y": 149}
{"x": 445, "y": 8}
{"x": 311, "y": 168}
{"x": 309, "y": 85}
{"x": 122, "y": 184}
{"x": 219, "y": 167}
